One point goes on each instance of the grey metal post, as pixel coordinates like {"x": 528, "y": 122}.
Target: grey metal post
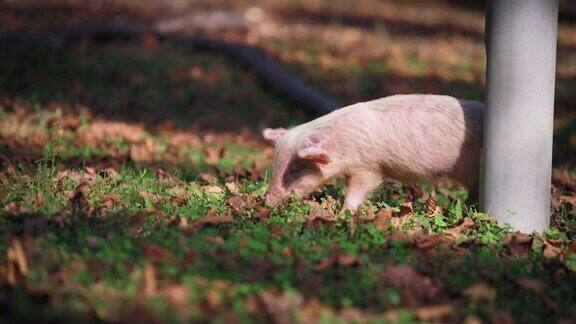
{"x": 517, "y": 161}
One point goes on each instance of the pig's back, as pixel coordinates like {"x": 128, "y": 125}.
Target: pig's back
{"x": 412, "y": 136}
{"x": 435, "y": 116}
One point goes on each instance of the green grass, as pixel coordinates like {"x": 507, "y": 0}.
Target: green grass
{"x": 92, "y": 261}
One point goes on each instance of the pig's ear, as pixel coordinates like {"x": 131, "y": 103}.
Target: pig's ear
{"x": 310, "y": 150}
{"x": 273, "y": 135}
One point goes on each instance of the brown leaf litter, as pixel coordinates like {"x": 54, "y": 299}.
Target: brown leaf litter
{"x": 78, "y": 203}
{"x": 337, "y": 258}
{"x": 381, "y": 219}
{"x": 456, "y": 232}
{"x": 17, "y": 263}
{"x": 431, "y": 204}
{"x": 417, "y": 288}
{"x": 319, "y": 216}
{"x": 481, "y": 292}
{"x": 249, "y": 206}
{"x": 211, "y": 220}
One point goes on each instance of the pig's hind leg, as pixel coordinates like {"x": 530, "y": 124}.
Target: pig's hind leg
{"x": 359, "y": 185}
{"x": 467, "y": 172}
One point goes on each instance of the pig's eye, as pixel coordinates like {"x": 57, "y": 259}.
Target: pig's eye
{"x": 297, "y": 169}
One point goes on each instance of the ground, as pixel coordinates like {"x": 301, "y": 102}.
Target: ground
{"x": 132, "y": 175}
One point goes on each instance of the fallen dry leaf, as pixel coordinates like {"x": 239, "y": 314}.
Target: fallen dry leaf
{"x": 348, "y": 314}
{"x": 347, "y": 260}
{"x": 403, "y": 216}
{"x": 84, "y": 177}
{"x": 90, "y": 170}
{"x": 551, "y": 251}
{"x": 150, "y": 284}
{"x": 100, "y": 131}
{"x": 213, "y": 298}
{"x": 518, "y": 244}
{"x": 141, "y": 153}
{"x": 337, "y": 258}
{"x": 435, "y": 313}
{"x": 564, "y": 178}
{"x": 178, "y": 200}
{"x": 155, "y": 198}
{"x": 319, "y": 216}
{"x": 157, "y": 253}
{"x": 399, "y": 236}
{"x": 261, "y": 212}
{"x": 501, "y": 317}
{"x": 405, "y": 209}
{"x": 137, "y": 220}
{"x": 324, "y": 264}
{"x": 425, "y": 241}
{"x": 456, "y": 232}
{"x": 420, "y": 239}
{"x": 531, "y": 284}
{"x": 15, "y": 208}
{"x": 111, "y": 173}
{"x": 431, "y": 204}
{"x": 114, "y": 198}
{"x": 212, "y": 220}
{"x": 207, "y": 177}
{"x": 472, "y": 319}
{"x": 177, "y": 295}
{"x": 219, "y": 240}
{"x": 518, "y": 237}
{"x": 17, "y": 264}
{"x": 167, "y": 179}
{"x": 480, "y": 292}
{"x": 181, "y": 222}
{"x": 416, "y": 287}
{"x": 571, "y": 200}
{"x": 78, "y": 202}
{"x": 288, "y": 252}
{"x": 241, "y": 204}
{"x": 111, "y": 200}
{"x": 281, "y": 307}
{"x": 252, "y": 305}
{"x": 415, "y": 191}
{"x": 38, "y": 201}
{"x": 382, "y": 219}
{"x": 232, "y": 187}
{"x": 313, "y": 309}
{"x": 370, "y": 216}
{"x": 213, "y": 155}
{"x": 214, "y": 190}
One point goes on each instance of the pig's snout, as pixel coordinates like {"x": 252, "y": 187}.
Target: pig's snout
{"x": 272, "y": 198}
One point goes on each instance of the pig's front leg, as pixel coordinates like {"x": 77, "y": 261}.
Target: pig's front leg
{"x": 359, "y": 185}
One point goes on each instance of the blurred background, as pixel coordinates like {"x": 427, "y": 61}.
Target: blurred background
{"x": 350, "y": 50}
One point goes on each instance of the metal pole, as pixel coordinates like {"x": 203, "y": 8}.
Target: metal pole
{"x": 517, "y": 160}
